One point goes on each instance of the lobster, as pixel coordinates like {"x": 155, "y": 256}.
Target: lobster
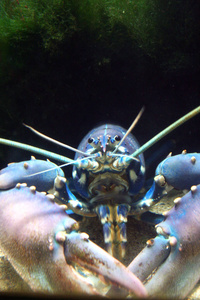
{"x": 108, "y": 172}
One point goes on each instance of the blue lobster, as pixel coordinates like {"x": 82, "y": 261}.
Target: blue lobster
{"x": 44, "y": 245}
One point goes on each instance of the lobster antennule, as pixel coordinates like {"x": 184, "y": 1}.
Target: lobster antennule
{"x": 55, "y": 141}
{"x": 130, "y": 128}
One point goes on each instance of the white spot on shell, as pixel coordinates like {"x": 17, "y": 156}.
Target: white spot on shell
{"x": 193, "y": 188}
{"x": 159, "y": 230}
{"x": 73, "y": 203}
{"x": 165, "y": 213}
{"x": 142, "y": 169}
{"x": 33, "y": 189}
{"x": 180, "y": 247}
{"x": 18, "y": 185}
{"x": 63, "y": 207}
{"x": 56, "y": 194}
{"x": 61, "y": 237}
{"x": 177, "y": 200}
{"x": 133, "y": 176}
{"x": 26, "y": 165}
{"x": 193, "y": 160}
{"x": 74, "y": 174}
{"x": 60, "y": 181}
{"x": 148, "y": 202}
{"x": 150, "y": 243}
{"x": 160, "y": 180}
{"x": 82, "y": 179}
{"x": 50, "y": 197}
{"x": 84, "y": 236}
{"x": 172, "y": 241}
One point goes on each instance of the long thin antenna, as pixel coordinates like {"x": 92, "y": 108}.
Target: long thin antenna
{"x": 166, "y": 131}
{"x": 36, "y": 150}
{"x": 55, "y": 141}
{"x": 130, "y": 128}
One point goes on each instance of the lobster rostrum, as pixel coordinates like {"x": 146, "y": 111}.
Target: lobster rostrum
{"x": 108, "y": 172}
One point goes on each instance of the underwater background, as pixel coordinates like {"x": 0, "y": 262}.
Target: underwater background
{"x": 68, "y": 66}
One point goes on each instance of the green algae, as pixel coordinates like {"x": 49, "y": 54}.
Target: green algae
{"x": 166, "y": 31}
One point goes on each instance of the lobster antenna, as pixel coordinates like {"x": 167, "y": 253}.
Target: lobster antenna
{"x": 166, "y": 131}
{"x": 55, "y": 141}
{"x": 36, "y": 150}
{"x": 130, "y": 128}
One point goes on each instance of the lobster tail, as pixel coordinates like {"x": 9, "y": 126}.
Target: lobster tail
{"x": 114, "y": 219}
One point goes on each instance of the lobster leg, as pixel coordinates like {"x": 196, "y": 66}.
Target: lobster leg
{"x": 42, "y": 243}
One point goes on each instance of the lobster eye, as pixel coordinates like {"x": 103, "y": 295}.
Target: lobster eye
{"x": 90, "y": 140}
{"x": 117, "y": 138}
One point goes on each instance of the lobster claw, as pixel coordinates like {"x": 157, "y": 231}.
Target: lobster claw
{"x": 42, "y": 244}
{"x": 32, "y": 172}
{"x": 173, "y": 257}
{"x": 81, "y": 252}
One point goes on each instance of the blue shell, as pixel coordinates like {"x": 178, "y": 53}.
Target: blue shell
{"x": 101, "y": 135}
